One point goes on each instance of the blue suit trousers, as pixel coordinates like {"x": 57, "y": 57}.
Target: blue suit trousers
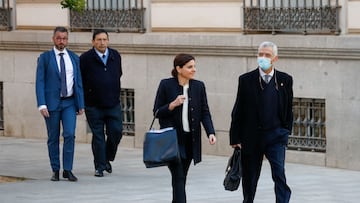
{"x": 66, "y": 116}
{"x": 273, "y": 148}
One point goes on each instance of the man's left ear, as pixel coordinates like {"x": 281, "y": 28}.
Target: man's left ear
{"x": 276, "y": 58}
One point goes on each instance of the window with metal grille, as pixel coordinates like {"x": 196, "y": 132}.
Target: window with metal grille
{"x": 127, "y": 99}
{"x": 5, "y": 15}
{"x": 309, "y": 130}
{"x": 292, "y": 16}
{"x": 111, "y": 15}
{"x": 1, "y": 107}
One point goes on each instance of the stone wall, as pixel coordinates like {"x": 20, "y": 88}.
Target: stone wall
{"x": 322, "y": 67}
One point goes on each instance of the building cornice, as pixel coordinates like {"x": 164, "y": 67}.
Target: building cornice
{"x": 223, "y": 51}
{"x": 221, "y": 44}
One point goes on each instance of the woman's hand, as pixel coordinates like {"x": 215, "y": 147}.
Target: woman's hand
{"x": 177, "y": 102}
{"x": 212, "y": 139}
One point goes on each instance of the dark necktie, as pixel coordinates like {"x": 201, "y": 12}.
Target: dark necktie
{"x": 63, "y": 76}
{"x": 267, "y": 78}
{"x": 103, "y": 59}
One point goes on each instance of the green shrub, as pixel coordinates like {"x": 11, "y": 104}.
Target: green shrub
{"x": 75, "y": 5}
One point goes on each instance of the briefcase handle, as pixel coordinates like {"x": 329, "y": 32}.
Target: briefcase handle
{"x": 152, "y": 123}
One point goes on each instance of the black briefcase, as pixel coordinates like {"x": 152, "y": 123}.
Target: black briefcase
{"x": 233, "y": 172}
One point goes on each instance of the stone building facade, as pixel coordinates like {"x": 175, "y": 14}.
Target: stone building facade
{"x": 324, "y": 68}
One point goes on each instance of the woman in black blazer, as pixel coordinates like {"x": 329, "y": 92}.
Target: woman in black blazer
{"x": 181, "y": 102}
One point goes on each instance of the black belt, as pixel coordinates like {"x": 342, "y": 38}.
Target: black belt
{"x": 69, "y": 97}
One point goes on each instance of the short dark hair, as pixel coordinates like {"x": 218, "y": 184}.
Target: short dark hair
{"x": 180, "y": 60}
{"x": 60, "y": 29}
{"x": 98, "y": 31}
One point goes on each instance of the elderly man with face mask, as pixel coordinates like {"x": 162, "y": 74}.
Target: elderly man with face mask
{"x": 262, "y": 121}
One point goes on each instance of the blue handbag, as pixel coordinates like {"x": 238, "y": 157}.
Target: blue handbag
{"x": 160, "y": 147}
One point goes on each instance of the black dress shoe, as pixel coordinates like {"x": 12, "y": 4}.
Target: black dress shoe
{"x": 98, "y": 173}
{"x": 69, "y": 175}
{"x": 55, "y": 176}
{"x": 108, "y": 167}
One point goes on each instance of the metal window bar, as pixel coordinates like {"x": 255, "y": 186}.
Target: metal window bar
{"x": 309, "y": 129}
{"x": 112, "y": 15}
{"x": 1, "y": 107}
{"x": 291, "y": 16}
{"x": 5, "y": 15}
{"x": 127, "y": 99}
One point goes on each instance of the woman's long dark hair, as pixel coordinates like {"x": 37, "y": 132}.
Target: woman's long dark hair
{"x": 180, "y": 60}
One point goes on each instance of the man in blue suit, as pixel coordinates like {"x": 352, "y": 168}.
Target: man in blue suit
{"x": 262, "y": 120}
{"x": 60, "y": 98}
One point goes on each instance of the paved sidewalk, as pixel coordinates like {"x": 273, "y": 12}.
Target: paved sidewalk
{"x": 132, "y": 182}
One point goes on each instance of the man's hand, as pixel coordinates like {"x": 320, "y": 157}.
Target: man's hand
{"x": 80, "y": 112}
{"x": 236, "y": 145}
{"x": 44, "y": 112}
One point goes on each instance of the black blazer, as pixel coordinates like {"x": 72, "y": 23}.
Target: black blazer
{"x": 101, "y": 82}
{"x": 245, "y": 118}
{"x": 199, "y": 111}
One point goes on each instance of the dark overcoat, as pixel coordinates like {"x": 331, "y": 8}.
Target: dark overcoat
{"x": 246, "y": 126}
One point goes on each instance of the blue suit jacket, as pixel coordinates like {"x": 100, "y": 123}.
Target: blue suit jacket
{"x": 198, "y": 113}
{"x": 48, "y": 81}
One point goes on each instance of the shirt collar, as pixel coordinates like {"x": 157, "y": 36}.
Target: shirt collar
{"x": 262, "y": 73}
{"x": 101, "y": 54}
{"x": 57, "y": 52}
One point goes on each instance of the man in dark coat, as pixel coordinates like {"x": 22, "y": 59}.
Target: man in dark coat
{"x": 262, "y": 121}
{"x": 101, "y": 71}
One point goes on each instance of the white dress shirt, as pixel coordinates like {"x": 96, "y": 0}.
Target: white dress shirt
{"x": 69, "y": 70}
{"x": 185, "y": 116}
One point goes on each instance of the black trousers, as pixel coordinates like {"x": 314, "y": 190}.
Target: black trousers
{"x": 179, "y": 170}
{"x": 106, "y": 127}
{"x": 274, "y": 150}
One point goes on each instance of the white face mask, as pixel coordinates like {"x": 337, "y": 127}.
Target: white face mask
{"x": 264, "y": 63}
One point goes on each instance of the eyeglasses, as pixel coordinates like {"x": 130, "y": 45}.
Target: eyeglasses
{"x": 61, "y": 39}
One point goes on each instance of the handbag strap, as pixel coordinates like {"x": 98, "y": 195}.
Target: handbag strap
{"x": 152, "y": 123}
